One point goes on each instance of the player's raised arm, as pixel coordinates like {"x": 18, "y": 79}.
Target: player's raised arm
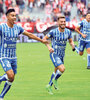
{"x": 77, "y": 29}
{"x": 48, "y": 45}
{"x": 30, "y": 35}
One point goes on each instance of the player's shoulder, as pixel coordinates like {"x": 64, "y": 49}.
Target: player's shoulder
{"x": 83, "y": 21}
{"x": 3, "y": 24}
{"x": 17, "y": 25}
{"x": 67, "y": 30}
{"x": 54, "y": 30}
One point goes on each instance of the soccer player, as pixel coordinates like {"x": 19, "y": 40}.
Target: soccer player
{"x": 84, "y": 39}
{"x": 59, "y": 37}
{"x": 8, "y": 37}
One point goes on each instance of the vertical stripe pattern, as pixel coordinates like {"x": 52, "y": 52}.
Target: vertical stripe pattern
{"x": 59, "y": 40}
{"x": 85, "y": 29}
{"x": 8, "y": 40}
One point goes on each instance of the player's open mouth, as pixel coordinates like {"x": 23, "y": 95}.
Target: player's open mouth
{"x": 14, "y": 21}
{"x": 63, "y": 25}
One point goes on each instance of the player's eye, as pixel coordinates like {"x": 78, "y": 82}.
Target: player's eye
{"x": 13, "y": 15}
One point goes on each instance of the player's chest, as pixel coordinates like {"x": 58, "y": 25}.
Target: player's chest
{"x": 61, "y": 37}
{"x": 10, "y": 36}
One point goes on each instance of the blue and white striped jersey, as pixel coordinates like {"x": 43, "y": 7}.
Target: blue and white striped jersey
{"x": 85, "y": 29}
{"x": 59, "y": 40}
{"x": 8, "y": 39}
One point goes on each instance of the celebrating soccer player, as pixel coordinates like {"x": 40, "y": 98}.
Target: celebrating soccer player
{"x": 8, "y": 37}
{"x": 59, "y": 37}
{"x": 84, "y": 39}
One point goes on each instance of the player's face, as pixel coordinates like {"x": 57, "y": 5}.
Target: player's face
{"x": 88, "y": 17}
{"x": 62, "y": 23}
{"x": 11, "y": 17}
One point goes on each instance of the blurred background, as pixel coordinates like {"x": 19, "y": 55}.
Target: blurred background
{"x": 40, "y": 16}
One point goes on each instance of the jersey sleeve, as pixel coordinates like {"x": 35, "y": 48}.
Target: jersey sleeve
{"x": 80, "y": 24}
{"x": 70, "y": 35}
{"x": 0, "y": 29}
{"x": 21, "y": 30}
{"x": 50, "y": 34}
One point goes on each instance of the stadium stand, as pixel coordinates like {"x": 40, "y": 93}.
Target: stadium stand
{"x": 47, "y": 9}
{"x": 37, "y": 16}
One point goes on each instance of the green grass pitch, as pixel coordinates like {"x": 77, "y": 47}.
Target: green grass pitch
{"x": 34, "y": 72}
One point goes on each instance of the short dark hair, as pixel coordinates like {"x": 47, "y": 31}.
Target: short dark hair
{"x": 88, "y": 12}
{"x": 9, "y": 11}
{"x": 61, "y": 16}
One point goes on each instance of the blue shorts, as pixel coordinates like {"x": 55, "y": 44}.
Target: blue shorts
{"x": 57, "y": 60}
{"x": 8, "y": 64}
{"x": 83, "y": 45}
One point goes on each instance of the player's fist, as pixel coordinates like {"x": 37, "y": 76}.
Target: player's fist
{"x": 51, "y": 49}
{"x": 84, "y": 35}
{"x": 45, "y": 41}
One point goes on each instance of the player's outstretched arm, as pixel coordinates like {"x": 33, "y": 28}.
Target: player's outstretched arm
{"x": 48, "y": 45}
{"x": 30, "y": 35}
{"x": 77, "y": 29}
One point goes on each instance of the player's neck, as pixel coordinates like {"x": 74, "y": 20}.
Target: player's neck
{"x": 88, "y": 21}
{"x": 61, "y": 30}
{"x": 9, "y": 24}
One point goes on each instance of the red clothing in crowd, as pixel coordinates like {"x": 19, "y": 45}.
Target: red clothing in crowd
{"x": 8, "y": 2}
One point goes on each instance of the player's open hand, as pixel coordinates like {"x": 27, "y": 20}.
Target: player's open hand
{"x": 84, "y": 35}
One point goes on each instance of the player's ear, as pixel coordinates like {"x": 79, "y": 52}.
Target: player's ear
{"x": 7, "y": 15}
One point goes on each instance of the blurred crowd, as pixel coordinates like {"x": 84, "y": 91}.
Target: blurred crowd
{"x": 51, "y": 8}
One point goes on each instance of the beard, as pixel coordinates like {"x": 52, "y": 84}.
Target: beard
{"x": 61, "y": 27}
{"x": 89, "y": 20}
